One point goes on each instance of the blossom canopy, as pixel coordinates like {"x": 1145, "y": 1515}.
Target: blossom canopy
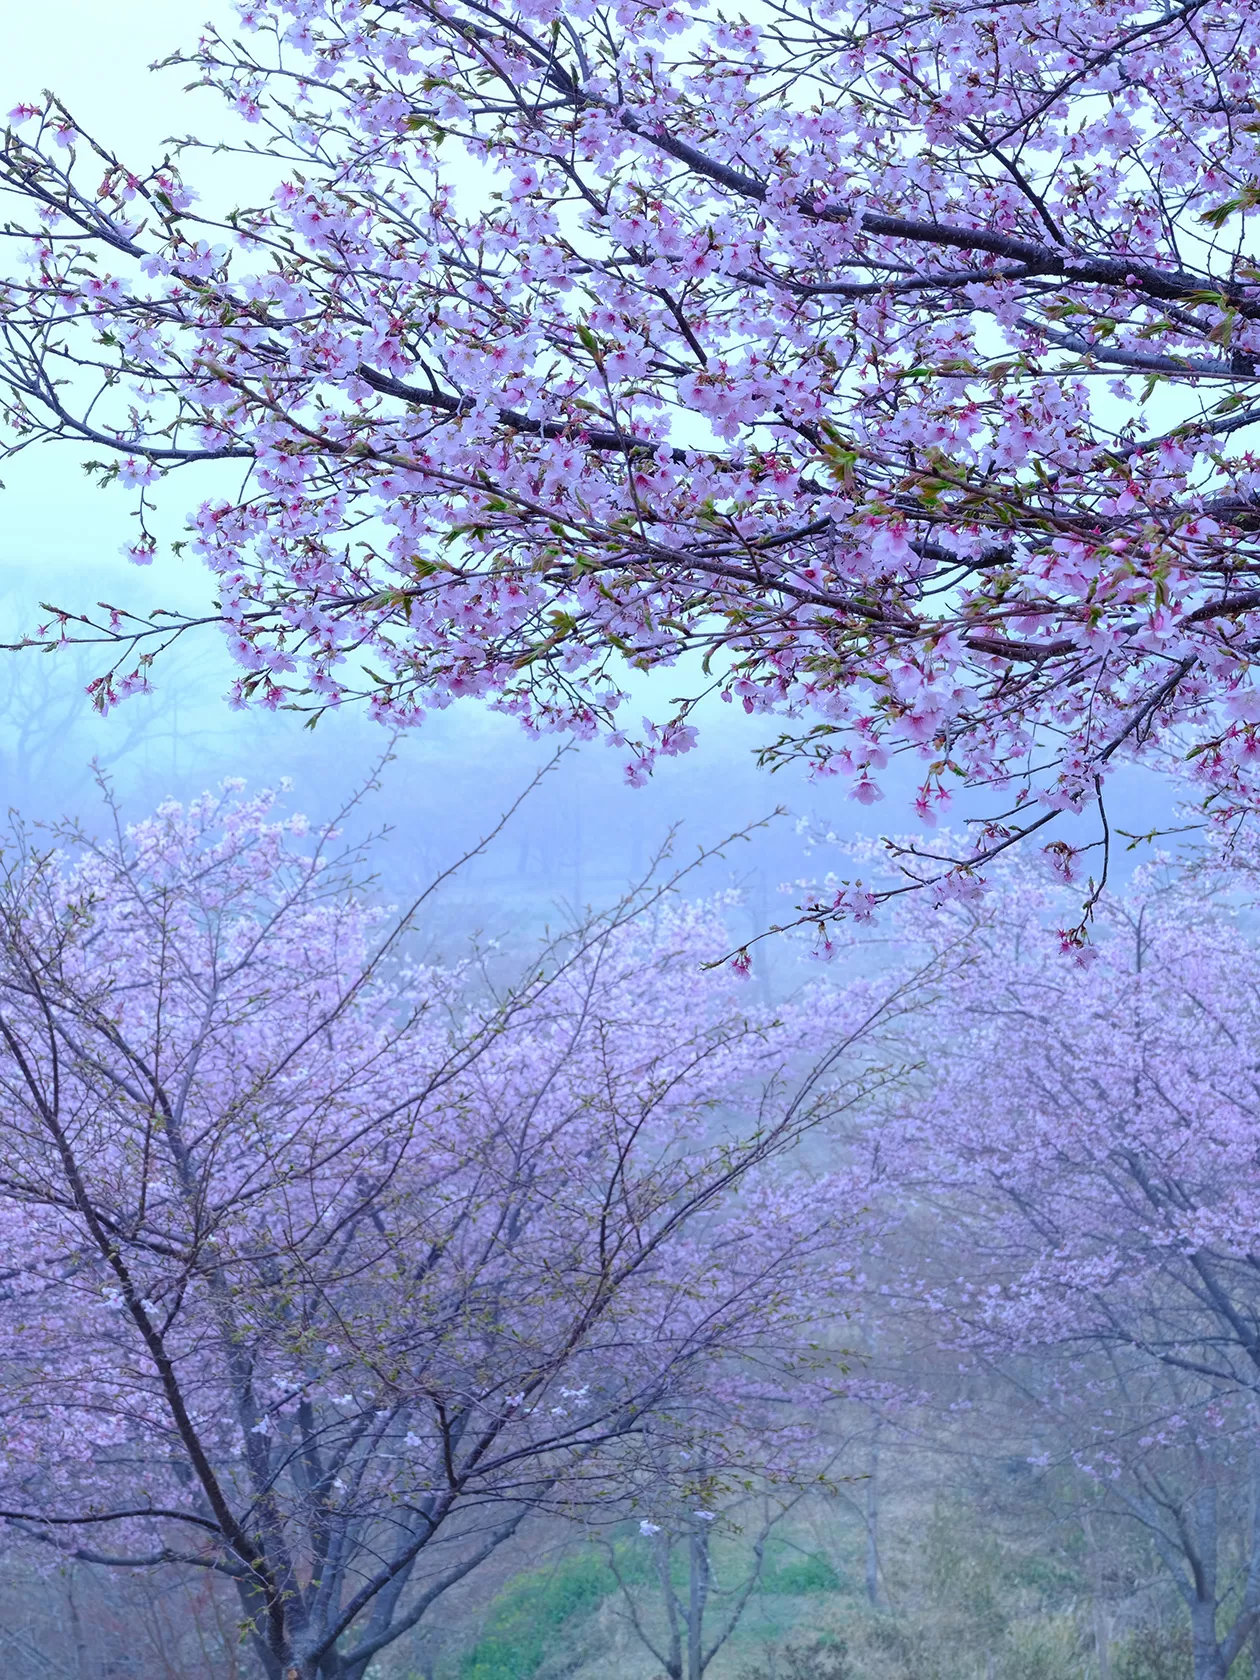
{"x": 889, "y": 369}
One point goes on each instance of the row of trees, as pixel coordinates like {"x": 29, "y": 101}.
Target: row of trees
{"x": 326, "y": 1269}
{"x": 1062, "y": 1283}
{"x": 330, "y": 1271}
{"x": 1078, "y": 1179}
{"x": 891, "y": 369}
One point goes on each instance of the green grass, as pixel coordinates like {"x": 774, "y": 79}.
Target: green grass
{"x": 533, "y": 1611}
{"x": 788, "y": 1570}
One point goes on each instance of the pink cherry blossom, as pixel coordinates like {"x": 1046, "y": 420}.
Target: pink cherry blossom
{"x": 325, "y": 1268}
{"x": 1077, "y": 1183}
{"x": 583, "y": 337}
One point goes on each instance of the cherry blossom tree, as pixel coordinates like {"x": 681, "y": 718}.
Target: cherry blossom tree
{"x": 1081, "y": 1187}
{"x": 683, "y": 1630}
{"x": 324, "y": 1270}
{"x": 888, "y": 369}
{"x": 700, "y": 1558}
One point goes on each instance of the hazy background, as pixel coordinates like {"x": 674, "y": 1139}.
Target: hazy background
{"x": 60, "y": 540}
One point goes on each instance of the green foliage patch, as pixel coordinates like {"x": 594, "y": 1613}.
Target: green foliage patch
{"x": 788, "y": 1570}
{"x": 531, "y": 1613}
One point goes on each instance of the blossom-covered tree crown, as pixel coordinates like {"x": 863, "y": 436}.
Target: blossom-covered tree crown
{"x": 888, "y": 368}
{"x": 326, "y": 1269}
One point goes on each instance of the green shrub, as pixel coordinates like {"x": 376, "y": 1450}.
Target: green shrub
{"x": 789, "y": 1571}
{"x": 530, "y": 1614}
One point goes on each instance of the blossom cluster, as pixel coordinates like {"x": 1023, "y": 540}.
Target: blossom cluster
{"x": 891, "y": 366}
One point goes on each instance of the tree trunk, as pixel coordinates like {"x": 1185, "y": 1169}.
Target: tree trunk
{"x": 872, "y": 1523}
{"x": 1098, "y": 1610}
{"x": 673, "y": 1662}
{"x": 1207, "y": 1651}
{"x": 76, "y": 1624}
{"x": 1208, "y": 1663}
{"x": 698, "y": 1558}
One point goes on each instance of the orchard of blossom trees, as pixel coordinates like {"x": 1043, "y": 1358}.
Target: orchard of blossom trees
{"x": 883, "y": 370}
{"x": 1078, "y": 1178}
{"x": 332, "y": 1273}
{"x": 325, "y": 1270}
{"x": 888, "y": 369}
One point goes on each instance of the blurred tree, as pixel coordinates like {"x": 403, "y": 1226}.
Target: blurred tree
{"x": 326, "y": 1270}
